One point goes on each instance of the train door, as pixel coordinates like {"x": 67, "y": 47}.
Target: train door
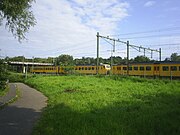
{"x": 124, "y": 70}
{"x": 156, "y": 70}
{"x": 58, "y": 71}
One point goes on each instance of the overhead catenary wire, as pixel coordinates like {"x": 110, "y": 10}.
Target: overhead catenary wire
{"x": 149, "y": 31}
{"x": 150, "y": 36}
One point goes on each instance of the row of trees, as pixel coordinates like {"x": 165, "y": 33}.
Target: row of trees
{"x": 68, "y": 60}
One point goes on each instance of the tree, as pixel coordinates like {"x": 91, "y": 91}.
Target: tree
{"x": 175, "y": 57}
{"x": 17, "y": 16}
{"x": 65, "y": 60}
{"x": 141, "y": 59}
{"x": 17, "y": 58}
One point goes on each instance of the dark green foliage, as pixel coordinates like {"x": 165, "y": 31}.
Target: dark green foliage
{"x": 64, "y": 60}
{"x": 17, "y": 16}
{"x": 3, "y": 74}
{"x": 141, "y": 59}
{"x": 175, "y": 57}
{"x": 15, "y": 77}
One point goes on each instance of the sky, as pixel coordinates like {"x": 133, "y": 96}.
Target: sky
{"x": 70, "y": 27}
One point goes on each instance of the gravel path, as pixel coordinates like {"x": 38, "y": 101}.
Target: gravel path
{"x": 19, "y": 117}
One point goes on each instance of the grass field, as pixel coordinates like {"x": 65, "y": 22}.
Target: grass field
{"x": 91, "y": 105}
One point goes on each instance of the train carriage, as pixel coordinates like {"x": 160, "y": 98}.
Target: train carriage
{"x": 162, "y": 69}
{"x": 141, "y": 69}
{"x": 91, "y": 69}
{"x": 47, "y": 69}
{"x": 80, "y": 69}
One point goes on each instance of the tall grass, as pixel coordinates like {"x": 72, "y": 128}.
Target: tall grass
{"x": 90, "y": 105}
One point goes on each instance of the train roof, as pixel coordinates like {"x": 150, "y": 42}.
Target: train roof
{"x": 149, "y": 63}
{"x": 90, "y": 64}
{"x": 167, "y": 62}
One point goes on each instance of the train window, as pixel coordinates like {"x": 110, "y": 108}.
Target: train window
{"x": 79, "y": 68}
{"x": 179, "y": 68}
{"x": 135, "y": 68}
{"x": 165, "y": 68}
{"x": 124, "y": 68}
{"x": 92, "y": 68}
{"x": 130, "y": 68}
{"x": 157, "y": 68}
{"x": 118, "y": 68}
{"x": 141, "y": 68}
{"x": 89, "y": 68}
{"x": 148, "y": 68}
{"x": 85, "y": 68}
{"x": 173, "y": 68}
{"x": 82, "y": 68}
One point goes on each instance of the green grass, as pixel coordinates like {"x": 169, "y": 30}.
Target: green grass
{"x": 96, "y": 105}
{"x": 3, "y": 91}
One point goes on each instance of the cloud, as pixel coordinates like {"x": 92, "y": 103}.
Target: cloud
{"x": 149, "y": 3}
{"x": 62, "y": 25}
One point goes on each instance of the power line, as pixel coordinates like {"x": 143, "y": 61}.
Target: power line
{"x": 150, "y": 31}
{"x": 174, "y": 44}
{"x": 163, "y": 35}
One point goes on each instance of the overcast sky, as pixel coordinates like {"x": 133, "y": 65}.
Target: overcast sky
{"x": 70, "y": 27}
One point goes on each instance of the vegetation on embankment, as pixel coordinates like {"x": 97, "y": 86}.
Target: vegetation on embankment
{"x": 91, "y": 105}
{"x": 10, "y": 77}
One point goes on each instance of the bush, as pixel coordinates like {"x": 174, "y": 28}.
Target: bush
{"x": 3, "y": 74}
{"x": 16, "y": 77}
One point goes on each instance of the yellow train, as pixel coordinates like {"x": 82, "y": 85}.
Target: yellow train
{"x": 164, "y": 69}
{"x": 79, "y": 69}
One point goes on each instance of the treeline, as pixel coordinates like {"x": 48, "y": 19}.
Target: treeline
{"x": 65, "y": 59}
{"x": 69, "y": 60}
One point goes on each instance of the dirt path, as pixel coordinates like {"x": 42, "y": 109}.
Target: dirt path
{"x": 19, "y": 117}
